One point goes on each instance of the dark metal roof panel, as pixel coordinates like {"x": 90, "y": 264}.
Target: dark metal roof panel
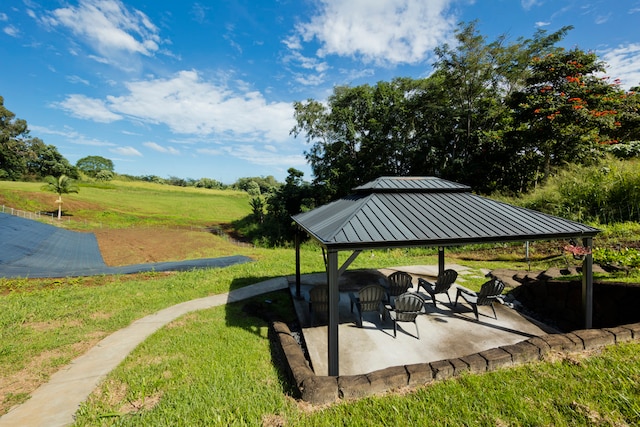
{"x": 410, "y": 184}
{"x": 441, "y": 218}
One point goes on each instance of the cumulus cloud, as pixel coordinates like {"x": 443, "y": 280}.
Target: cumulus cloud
{"x": 108, "y": 26}
{"x": 83, "y": 107}
{"x": 189, "y": 105}
{"x": 624, "y": 63}
{"x": 394, "y": 31}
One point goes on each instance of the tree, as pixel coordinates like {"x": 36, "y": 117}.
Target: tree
{"x": 566, "y": 110}
{"x": 451, "y": 124}
{"x": 104, "y": 175}
{"x": 13, "y": 147}
{"x": 474, "y": 80}
{"x": 61, "y": 185}
{"x": 293, "y": 197}
{"x": 91, "y": 165}
{"x": 44, "y": 160}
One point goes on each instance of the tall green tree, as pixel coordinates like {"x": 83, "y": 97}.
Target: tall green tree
{"x": 60, "y": 185}
{"x": 13, "y": 146}
{"x": 476, "y": 77}
{"x": 566, "y": 110}
{"x": 364, "y": 132}
{"x": 452, "y": 124}
{"x": 44, "y": 160}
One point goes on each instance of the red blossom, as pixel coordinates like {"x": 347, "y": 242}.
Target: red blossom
{"x": 577, "y": 250}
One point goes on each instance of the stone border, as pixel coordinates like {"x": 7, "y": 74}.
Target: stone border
{"x": 320, "y": 390}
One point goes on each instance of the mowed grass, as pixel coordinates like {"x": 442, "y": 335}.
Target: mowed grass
{"x": 120, "y": 204}
{"x": 218, "y": 366}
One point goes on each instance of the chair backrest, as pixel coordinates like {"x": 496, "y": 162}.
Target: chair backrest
{"x": 489, "y": 291}
{"x": 445, "y": 280}
{"x": 319, "y": 299}
{"x": 408, "y": 306}
{"x": 370, "y": 297}
{"x": 399, "y": 283}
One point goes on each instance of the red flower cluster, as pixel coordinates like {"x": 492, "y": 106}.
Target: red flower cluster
{"x": 577, "y": 250}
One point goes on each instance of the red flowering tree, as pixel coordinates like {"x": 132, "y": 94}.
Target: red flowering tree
{"x": 566, "y": 109}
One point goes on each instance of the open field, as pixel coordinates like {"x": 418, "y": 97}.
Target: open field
{"x": 216, "y": 367}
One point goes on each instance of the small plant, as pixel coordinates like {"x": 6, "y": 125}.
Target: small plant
{"x": 624, "y": 258}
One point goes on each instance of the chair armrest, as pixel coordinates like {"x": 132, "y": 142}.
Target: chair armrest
{"x": 422, "y": 282}
{"x": 466, "y": 291}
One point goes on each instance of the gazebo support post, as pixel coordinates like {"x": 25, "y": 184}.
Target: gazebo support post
{"x": 334, "y": 297}
{"x": 297, "y": 244}
{"x": 587, "y": 284}
{"x": 440, "y": 260}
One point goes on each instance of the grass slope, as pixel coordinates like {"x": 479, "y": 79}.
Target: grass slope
{"x": 218, "y": 367}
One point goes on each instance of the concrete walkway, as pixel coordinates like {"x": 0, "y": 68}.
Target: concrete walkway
{"x": 53, "y": 404}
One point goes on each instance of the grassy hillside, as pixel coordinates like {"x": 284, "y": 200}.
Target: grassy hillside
{"x": 217, "y": 366}
{"x": 120, "y": 204}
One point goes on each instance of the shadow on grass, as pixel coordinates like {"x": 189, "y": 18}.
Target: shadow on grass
{"x": 255, "y": 313}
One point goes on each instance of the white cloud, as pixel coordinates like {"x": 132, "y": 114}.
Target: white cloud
{"x": 3, "y": 17}
{"x": 70, "y": 135}
{"x": 126, "y": 151}
{"x": 108, "y": 26}
{"x": 12, "y": 31}
{"x": 528, "y": 4}
{"x": 380, "y": 31}
{"x": 624, "y": 63}
{"x": 267, "y": 156}
{"x": 189, "y": 105}
{"x": 77, "y": 79}
{"x": 160, "y": 149}
{"x": 83, "y": 107}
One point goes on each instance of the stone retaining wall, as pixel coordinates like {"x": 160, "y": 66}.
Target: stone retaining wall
{"x": 325, "y": 389}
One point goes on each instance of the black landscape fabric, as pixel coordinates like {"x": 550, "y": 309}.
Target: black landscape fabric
{"x": 31, "y": 249}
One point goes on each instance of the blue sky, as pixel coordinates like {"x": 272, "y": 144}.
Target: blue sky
{"x": 197, "y": 89}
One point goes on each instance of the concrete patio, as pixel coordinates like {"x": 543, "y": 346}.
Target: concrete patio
{"x": 445, "y": 331}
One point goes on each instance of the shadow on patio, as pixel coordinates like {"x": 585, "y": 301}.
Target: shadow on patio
{"x": 445, "y": 331}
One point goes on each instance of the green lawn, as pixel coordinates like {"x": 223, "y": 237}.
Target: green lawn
{"x": 218, "y": 366}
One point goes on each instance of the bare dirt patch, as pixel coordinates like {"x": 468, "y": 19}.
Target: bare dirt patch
{"x": 143, "y": 245}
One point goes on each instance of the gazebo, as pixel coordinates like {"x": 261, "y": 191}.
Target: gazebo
{"x": 419, "y": 212}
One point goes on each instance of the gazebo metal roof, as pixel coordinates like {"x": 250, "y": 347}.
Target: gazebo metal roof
{"x": 427, "y": 211}
{"x": 424, "y": 211}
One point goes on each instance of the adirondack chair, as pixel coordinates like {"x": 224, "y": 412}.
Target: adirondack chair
{"x": 318, "y": 302}
{"x": 367, "y": 299}
{"x": 399, "y": 283}
{"x": 489, "y": 293}
{"x": 441, "y": 286}
{"x": 407, "y": 307}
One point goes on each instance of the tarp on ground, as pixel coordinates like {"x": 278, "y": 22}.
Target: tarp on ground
{"x": 32, "y": 249}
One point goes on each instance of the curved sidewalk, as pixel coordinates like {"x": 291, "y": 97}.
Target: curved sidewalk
{"x": 54, "y": 403}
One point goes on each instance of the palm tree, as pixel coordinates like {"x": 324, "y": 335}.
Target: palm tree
{"x": 61, "y": 185}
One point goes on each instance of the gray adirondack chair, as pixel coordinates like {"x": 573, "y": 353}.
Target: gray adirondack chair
{"x": 489, "y": 293}
{"x": 407, "y": 307}
{"x": 399, "y": 283}
{"x": 367, "y": 299}
{"x": 441, "y": 286}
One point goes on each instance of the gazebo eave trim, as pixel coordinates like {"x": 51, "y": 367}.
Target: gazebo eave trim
{"x": 339, "y": 246}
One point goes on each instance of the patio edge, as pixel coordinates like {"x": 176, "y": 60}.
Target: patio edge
{"x": 320, "y": 390}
